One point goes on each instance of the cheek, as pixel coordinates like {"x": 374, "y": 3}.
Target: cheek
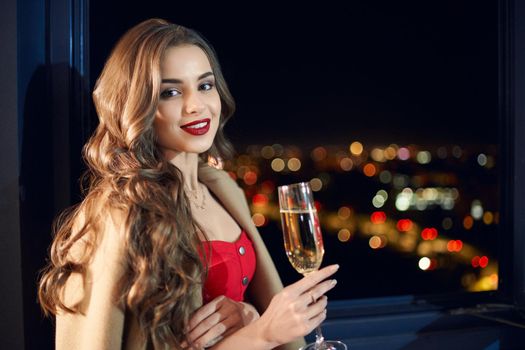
{"x": 168, "y": 112}
{"x": 218, "y": 106}
{"x": 215, "y": 104}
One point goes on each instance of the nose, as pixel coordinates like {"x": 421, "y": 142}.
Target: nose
{"x": 193, "y": 104}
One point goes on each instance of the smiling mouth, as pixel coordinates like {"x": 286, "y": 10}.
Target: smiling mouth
{"x": 198, "y": 127}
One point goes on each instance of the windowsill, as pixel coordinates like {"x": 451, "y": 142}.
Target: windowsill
{"x": 405, "y": 323}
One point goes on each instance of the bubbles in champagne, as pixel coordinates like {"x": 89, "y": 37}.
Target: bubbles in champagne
{"x": 303, "y": 241}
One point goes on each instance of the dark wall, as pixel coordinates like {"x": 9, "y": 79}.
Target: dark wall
{"x": 50, "y": 123}
{"x": 11, "y": 320}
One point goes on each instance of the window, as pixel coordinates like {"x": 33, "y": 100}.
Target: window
{"x": 391, "y": 112}
{"x": 417, "y": 210}
{"x": 367, "y": 76}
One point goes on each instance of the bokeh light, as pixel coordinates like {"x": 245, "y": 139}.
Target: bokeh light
{"x": 258, "y": 219}
{"x": 294, "y": 164}
{"x": 391, "y": 152}
{"x": 346, "y": 164}
{"x": 369, "y": 169}
{"x": 468, "y": 222}
{"x": 318, "y": 154}
{"x": 476, "y": 209}
{"x": 277, "y": 165}
{"x": 454, "y": 245}
{"x": 316, "y": 184}
{"x": 378, "y": 155}
{"x": 404, "y": 199}
{"x": 267, "y": 152}
{"x": 378, "y": 201}
{"x": 385, "y": 176}
{"x": 447, "y": 223}
{"x": 482, "y": 159}
{"x": 378, "y": 217}
{"x": 376, "y": 242}
{"x": 383, "y": 194}
{"x": 424, "y": 157}
{"x": 250, "y": 178}
{"x": 344, "y": 235}
{"x": 356, "y": 148}
{"x": 488, "y": 218}
{"x": 260, "y": 200}
{"x": 403, "y": 153}
{"x": 344, "y": 213}
{"x": 424, "y": 263}
{"x": 429, "y": 234}
{"x": 442, "y": 152}
{"x": 457, "y": 152}
{"x": 483, "y": 261}
{"x": 404, "y": 225}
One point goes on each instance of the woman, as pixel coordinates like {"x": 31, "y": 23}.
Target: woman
{"x": 132, "y": 264}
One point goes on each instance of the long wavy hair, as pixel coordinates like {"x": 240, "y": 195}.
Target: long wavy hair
{"x": 127, "y": 171}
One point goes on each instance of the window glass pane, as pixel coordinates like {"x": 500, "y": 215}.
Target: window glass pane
{"x": 391, "y": 114}
{"x": 388, "y": 109}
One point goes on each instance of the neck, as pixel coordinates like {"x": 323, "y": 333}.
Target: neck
{"x": 188, "y": 164}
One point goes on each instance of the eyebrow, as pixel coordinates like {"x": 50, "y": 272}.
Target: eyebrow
{"x": 178, "y": 81}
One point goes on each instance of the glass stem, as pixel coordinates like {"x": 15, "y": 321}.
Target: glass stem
{"x": 319, "y": 338}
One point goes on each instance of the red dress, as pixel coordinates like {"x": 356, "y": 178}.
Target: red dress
{"x": 231, "y": 266}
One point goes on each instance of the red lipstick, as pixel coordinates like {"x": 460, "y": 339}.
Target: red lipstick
{"x": 198, "y": 127}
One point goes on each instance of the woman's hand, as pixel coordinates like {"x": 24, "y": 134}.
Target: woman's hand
{"x": 298, "y": 308}
{"x": 217, "y": 319}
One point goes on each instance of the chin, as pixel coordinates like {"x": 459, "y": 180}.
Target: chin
{"x": 198, "y": 148}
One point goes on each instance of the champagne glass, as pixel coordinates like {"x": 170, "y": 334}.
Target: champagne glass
{"x": 303, "y": 242}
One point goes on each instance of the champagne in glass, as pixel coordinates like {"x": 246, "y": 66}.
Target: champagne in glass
{"x": 303, "y": 242}
{"x": 304, "y": 250}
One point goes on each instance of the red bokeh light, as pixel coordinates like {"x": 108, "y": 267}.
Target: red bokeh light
{"x": 404, "y": 225}
{"x": 454, "y": 245}
{"x": 378, "y": 217}
{"x": 260, "y": 199}
{"x": 483, "y": 261}
{"x": 429, "y": 234}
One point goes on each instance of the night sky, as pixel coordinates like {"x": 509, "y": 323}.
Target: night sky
{"x": 375, "y": 71}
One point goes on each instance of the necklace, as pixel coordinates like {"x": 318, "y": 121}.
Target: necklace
{"x": 193, "y": 196}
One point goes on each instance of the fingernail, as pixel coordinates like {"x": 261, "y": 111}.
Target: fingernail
{"x": 333, "y": 282}
{"x": 336, "y": 267}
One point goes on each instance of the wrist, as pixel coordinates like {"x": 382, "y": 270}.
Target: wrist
{"x": 263, "y": 333}
{"x": 253, "y": 337}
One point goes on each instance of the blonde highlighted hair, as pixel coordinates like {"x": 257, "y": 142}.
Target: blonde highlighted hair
{"x": 127, "y": 172}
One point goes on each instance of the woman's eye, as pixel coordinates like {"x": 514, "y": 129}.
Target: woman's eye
{"x": 206, "y": 86}
{"x": 169, "y": 93}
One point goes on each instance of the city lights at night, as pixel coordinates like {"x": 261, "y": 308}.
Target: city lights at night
{"x": 418, "y": 205}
